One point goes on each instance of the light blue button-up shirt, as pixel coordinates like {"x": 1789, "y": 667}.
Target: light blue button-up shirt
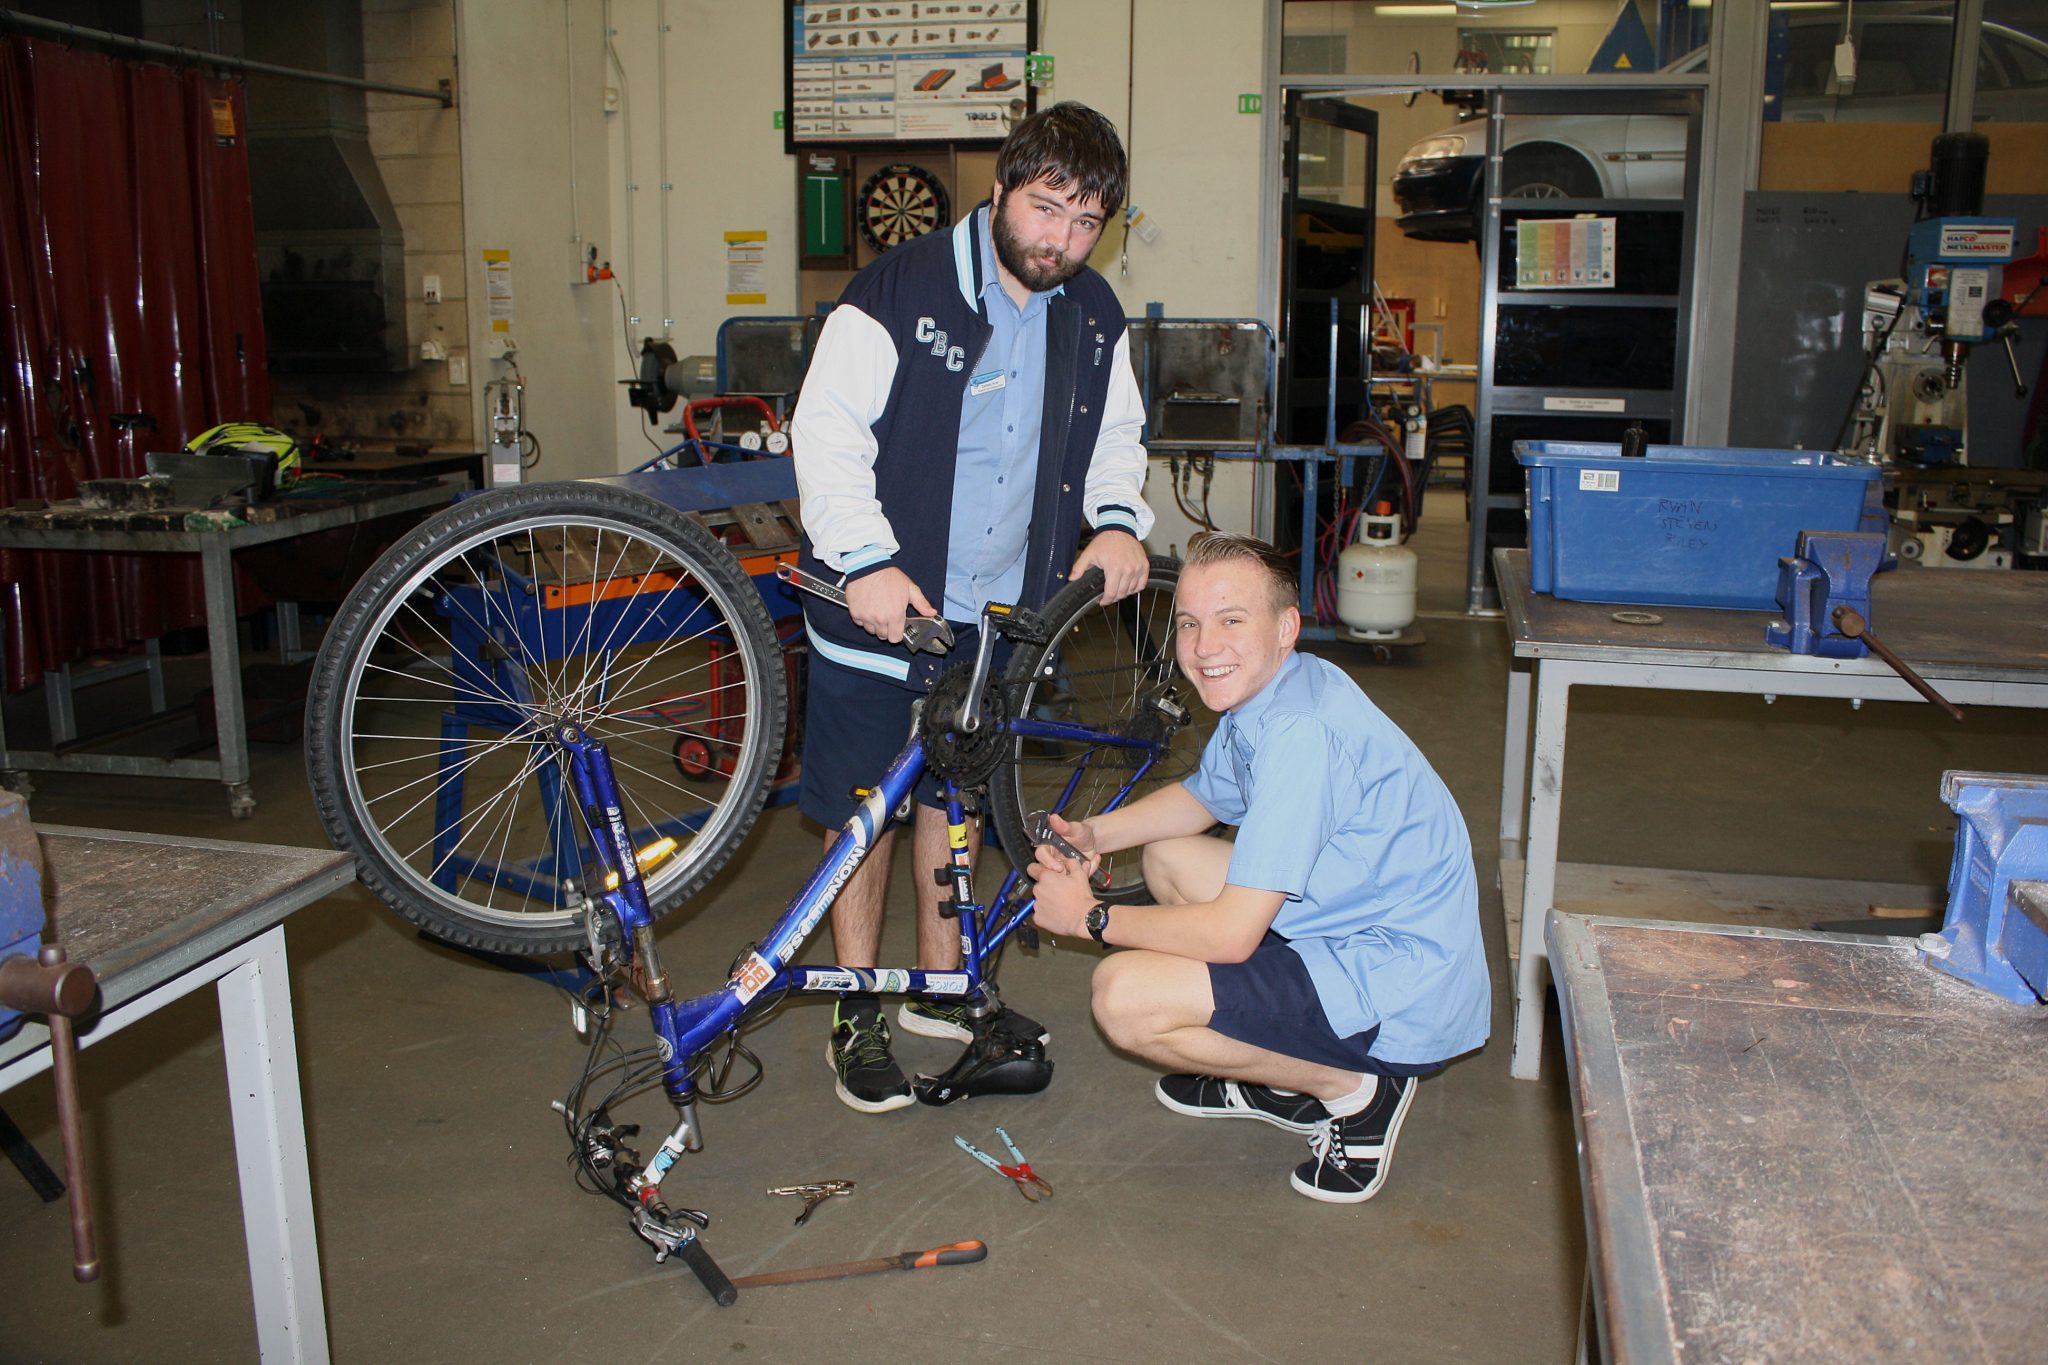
{"x": 1339, "y": 811}
{"x": 996, "y": 477}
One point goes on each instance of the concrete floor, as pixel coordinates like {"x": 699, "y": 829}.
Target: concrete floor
{"x": 451, "y": 1229}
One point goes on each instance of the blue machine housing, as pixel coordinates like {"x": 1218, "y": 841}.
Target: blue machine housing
{"x": 1995, "y": 938}
{"x": 1831, "y": 569}
{"x": 1955, "y": 266}
{"x": 21, "y": 893}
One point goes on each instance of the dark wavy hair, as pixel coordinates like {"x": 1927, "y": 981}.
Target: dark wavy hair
{"x": 1222, "y": 547}
{"x": 1073, "y": 149}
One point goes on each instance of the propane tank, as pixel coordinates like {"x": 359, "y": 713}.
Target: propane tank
{"x": 1376, "y": 578}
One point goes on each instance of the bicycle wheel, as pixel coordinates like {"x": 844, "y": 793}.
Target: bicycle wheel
{"x": 1108, "y": 668}
{"x": 430, "y": 731}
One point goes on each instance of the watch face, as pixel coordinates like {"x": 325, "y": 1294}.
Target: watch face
{"x": 1097, "y": 921}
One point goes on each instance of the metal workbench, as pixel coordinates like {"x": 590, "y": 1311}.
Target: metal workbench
{"x": 1802, "y": 1147}
{"x": 156, "y": 918}
{"x": 1981, "y": 638}
{"x": 215, "y": 541}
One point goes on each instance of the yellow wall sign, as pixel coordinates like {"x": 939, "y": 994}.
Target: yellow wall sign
{"x": 746, "y": 267}
{"x": 498, "y": 289}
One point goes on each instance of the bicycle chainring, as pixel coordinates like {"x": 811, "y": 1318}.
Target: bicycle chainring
{"x": 968, "y": 758}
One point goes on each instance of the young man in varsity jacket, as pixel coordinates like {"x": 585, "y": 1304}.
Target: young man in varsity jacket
{"x": 967, "y": 432}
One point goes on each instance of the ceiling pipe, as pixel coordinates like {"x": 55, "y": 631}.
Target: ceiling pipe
{"x": 172, "y": 52}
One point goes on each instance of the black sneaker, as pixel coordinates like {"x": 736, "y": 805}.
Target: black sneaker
{"x": 931, "y": 1019}
{"x": 1352, "y": 1154}
{"x": 865, "y": 1076}
{"x": 1212, "y": 1097}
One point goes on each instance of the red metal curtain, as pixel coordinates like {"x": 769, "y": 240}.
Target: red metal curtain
{"x": 128, "y": 284}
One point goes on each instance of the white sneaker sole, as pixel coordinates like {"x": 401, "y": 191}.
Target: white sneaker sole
{"x": 853, "y": 1101}
{"x": 927, "y": 1027}
{"x": 1198, "y": 1112}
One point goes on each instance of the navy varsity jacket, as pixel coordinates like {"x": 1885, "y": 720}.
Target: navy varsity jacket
{"x": 876, "y": 432}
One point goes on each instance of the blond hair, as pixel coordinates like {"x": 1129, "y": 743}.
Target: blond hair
{"x": 1224, "y": 547}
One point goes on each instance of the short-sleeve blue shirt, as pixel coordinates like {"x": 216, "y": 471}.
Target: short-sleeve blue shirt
{"x": 1338, "y": 810}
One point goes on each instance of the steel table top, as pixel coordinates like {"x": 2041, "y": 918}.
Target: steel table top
{"x": 140, "y": 909}
{"x": 1799, "y": 1146}
{"x": 1986, "y": 626}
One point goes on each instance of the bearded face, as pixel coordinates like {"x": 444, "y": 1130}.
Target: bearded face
{"x": 1041, "y": 237}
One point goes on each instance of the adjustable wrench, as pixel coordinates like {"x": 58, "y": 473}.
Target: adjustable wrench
{"x": 921, "y": 634}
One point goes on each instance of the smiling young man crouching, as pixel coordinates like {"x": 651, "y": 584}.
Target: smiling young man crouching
{"x": 1309, "y": 972}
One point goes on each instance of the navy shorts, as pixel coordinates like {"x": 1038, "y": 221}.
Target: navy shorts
{"x": 855, "y": 724}
{"x": 1269, "y": 1001}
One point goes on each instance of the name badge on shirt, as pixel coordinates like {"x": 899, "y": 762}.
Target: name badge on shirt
{"x": 988, "y": 382}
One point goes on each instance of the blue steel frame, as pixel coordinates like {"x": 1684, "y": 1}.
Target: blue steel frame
{"x": 686, "y": 1028}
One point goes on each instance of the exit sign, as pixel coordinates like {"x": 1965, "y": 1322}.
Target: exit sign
{"x": 1250, "y": 104}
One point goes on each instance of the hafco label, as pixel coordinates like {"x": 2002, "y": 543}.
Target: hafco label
{"x": 1992, "y": 240}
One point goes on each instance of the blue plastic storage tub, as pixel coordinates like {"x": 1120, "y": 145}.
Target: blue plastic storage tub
{"x": 1684, "y": 526}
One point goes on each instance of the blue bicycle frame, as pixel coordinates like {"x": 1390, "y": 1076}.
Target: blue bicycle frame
{"x": 686, "y": 1028}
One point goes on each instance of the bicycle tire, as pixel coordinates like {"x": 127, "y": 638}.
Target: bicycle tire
{"x": 446, "y": 668}
{"x": 1100, "y": 666}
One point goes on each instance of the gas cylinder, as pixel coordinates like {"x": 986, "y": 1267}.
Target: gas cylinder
{"x": 1376, "y": 578}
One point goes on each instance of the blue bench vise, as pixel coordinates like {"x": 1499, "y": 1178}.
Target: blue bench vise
{"x": 1830, "y": 569}
{"x": 21, "y": 894}
{"x": 1996, "y": 931}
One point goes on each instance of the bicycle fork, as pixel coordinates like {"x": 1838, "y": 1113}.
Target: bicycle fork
{"x": 669, "y": 1231}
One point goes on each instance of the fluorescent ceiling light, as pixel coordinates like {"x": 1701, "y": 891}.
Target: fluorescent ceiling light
{"x": 1416, "y": 11}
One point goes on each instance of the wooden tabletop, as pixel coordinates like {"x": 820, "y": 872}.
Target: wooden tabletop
{"x": 1800, "y": 1146}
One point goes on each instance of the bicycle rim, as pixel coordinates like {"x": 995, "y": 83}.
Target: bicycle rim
{"x": 480, "y": 635}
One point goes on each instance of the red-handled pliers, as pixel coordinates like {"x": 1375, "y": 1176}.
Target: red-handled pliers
{"x": 1028, "y": 1182}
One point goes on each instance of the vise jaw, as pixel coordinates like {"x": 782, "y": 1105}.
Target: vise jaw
{"x": 1996, "y": 932}
{"x": 1831, "y": 569}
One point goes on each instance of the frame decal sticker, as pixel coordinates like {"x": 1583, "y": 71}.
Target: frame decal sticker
{"x": 753, "y": 977}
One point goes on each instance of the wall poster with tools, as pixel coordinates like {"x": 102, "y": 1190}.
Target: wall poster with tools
{"x": 907, "y": 70}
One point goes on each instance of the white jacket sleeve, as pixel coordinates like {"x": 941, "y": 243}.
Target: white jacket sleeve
{"x": 832, "y": 440}
{"x": 1113, "y": 496}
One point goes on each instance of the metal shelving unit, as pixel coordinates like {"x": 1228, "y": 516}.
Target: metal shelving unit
{"x": 1577, "y": 391}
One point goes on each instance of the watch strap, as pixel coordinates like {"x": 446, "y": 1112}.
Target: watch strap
{"x": 1098, "y": 920}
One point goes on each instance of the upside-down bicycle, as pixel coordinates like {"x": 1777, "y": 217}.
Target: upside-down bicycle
{"x": 552, "y": 713}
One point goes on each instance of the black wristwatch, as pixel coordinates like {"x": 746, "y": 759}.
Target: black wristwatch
{"x": 1097, "y": 920}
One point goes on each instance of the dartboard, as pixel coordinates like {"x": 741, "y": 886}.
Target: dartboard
{"x": 899, "y": 202}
